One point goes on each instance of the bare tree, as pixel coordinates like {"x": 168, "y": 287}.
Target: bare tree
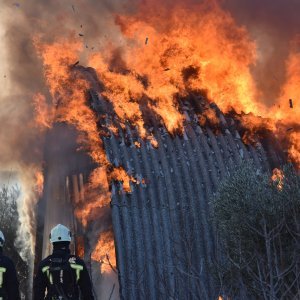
{"x": 9, "y": 220}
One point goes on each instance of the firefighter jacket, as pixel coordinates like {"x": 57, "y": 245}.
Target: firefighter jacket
{"x": 46, "y": 286}
{"x": 9, "y": 285}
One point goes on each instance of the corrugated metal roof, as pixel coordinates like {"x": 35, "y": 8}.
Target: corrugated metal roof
{"x": 163, "y": 234}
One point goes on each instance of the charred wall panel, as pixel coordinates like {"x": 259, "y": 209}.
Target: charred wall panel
{"x": 163, "y": 234}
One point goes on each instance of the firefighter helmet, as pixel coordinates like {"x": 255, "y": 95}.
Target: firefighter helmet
{"x": 60, "y": 233}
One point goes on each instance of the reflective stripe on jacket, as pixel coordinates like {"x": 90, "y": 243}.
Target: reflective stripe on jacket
{"x": 43, "y": 279}
{"x": 9, "y": 284}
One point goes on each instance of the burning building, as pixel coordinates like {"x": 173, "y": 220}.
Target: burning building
{"x": 150, "y": 205}
{"x": 135, "y": 145}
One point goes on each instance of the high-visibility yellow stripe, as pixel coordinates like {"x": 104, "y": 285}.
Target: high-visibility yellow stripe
{"x": 78, "y": 269}
{"x": 2, "y": 271}
{"x": 45, "y": 269}
{"x": 49, "y": 275}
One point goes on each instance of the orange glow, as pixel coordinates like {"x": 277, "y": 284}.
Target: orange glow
{"x": 277, "y": 178}
{"x": 113, "y": 129}
{"x": 206, "y": 51}
{"x": 209, "y": 115}
{"x": 105, "y": 252}
{"x": 43, "y": 113}
{"x": 153, "y": 141}
{"x": 39, "y": 182}
{"x": 289, "y": 102}
{"x": 68, "y": 90}
{"x": 291, "y": 88}
{"x": 119, "y": 174}
{"x": 137, "y": 144}
{"x": 294, "y": 150}
{"x": 79, "y": 242}
{"x": 97, "y": 196}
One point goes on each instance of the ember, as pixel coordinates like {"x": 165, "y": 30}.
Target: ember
{"x": 278, "y": 178}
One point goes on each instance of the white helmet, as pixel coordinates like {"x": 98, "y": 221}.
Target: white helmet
{"x": 60, "y": 233}
{"x": 2, "y": 239}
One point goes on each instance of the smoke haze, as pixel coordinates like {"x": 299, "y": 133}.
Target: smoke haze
{"x": 273, "y": 24}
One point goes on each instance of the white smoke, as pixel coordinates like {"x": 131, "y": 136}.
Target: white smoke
{"x": 19, "y": 145}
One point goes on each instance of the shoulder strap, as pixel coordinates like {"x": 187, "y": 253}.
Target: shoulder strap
{"x": 68, "y": 265}
{"x": 78, "y": 268}
{"x": 2, "y": 271}
{"x": 61, "y": 292}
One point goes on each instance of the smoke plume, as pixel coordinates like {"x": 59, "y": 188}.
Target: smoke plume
{"x": 273, "y": 25}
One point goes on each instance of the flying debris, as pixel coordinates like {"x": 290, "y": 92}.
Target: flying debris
{"x": 146, "y": 41}
{"x": 73, "y": 7}
{"x": 80, "y": 34}
{"x": 77, "y": 62}
{"x": 291, "y": 103}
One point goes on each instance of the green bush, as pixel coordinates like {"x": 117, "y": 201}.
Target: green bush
{"x": 258, "y": 232}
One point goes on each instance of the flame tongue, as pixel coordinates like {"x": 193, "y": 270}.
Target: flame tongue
{"x": 277, "y": 178}
{"x": 105, "y": 252}
{"x": 206, "y": 51}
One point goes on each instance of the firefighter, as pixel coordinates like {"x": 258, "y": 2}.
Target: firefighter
{"x": 9, "y": 285}
{"x": 62, "y": 275}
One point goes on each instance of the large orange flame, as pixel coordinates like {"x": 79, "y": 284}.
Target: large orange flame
{"x": 39, "y": 182}
{"x": 189, "y": 47}
{"x": 104, "y": 253}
